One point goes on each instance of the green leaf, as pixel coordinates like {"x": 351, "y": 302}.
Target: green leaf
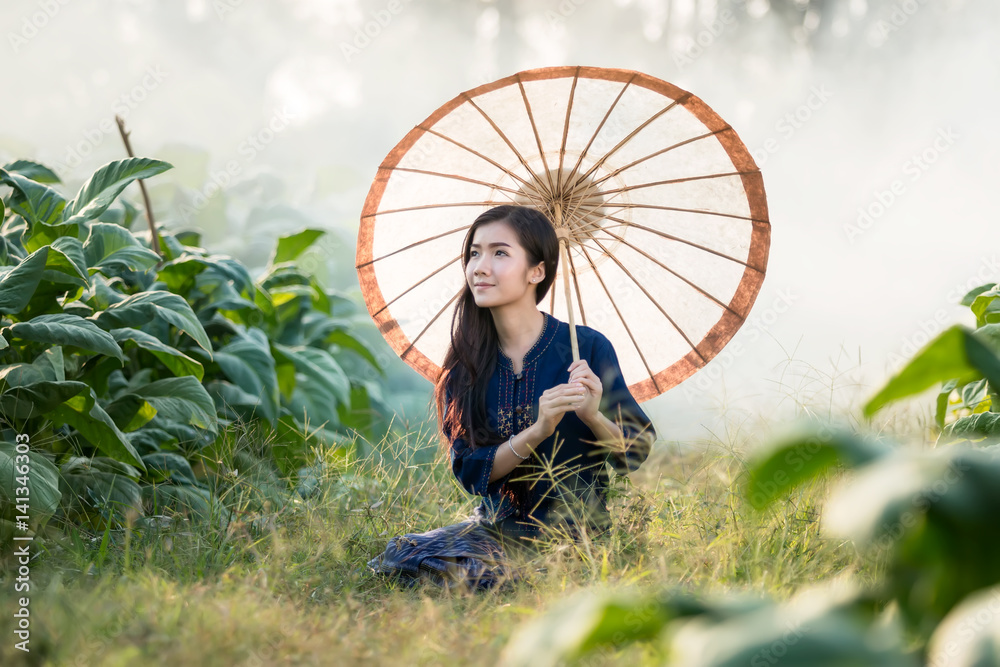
{"x": 179, "y": 363}
{"x": 43, "y": 234}
{"x": 33, "y": 399}
{"x": 85, "y": 414}
{"x": 138, "y": 309}
{"x": 248, "y": 363}
{"x": 956, "y": 354}
{"x": 802, "y": 455}
{"x": 320, "y": 369}
{"x": 33, "y": 170}
{"x": 130, "y": 412}
{"x": 290, "y": 247}
{"x": 969, "y": 636}
{"x": 168, "y": 466}
{"x": 942, "y": 402}
{"x": 181, "y": 399}
{"x": 106, "y": 184}
{"x": 113, "y": 248}
{"x": 100, "y": 482}
{"x": 33, "y": 201}
{"x": 19, "y": 284}
{"x": 72, "y": 330}
{"x": 43, "y": 481}
{"x": 984, "y": 424}
{"x": 188, "y": 500}
{"x": 66, "y": 263}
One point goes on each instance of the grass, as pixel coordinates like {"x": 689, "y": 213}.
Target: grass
{"x": 281, "y": 580}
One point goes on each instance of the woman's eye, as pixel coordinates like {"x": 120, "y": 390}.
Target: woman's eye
{"x": 503, "y": 251}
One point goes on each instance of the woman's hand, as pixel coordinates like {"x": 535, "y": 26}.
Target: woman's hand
{"x": 554, "y": 403}
{"x": 581, "y": 376}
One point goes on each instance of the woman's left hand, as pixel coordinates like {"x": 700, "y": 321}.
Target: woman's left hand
{"x": 580, "y": 374}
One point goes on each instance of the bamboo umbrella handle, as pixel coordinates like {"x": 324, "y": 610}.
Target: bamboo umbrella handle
{"x": 563, "y": 233}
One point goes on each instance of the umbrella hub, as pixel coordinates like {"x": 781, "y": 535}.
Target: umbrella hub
{"x": 571, "y": 201}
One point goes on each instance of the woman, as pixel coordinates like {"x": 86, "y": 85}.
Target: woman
{"x": 528, "y": 429}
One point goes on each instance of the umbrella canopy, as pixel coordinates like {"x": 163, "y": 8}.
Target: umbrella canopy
{"x": 659, "y": 207}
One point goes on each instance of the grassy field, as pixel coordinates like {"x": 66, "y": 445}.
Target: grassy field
{"x": 282, "y": 582}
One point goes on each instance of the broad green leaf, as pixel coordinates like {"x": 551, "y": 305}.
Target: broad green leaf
{"x": 130, "y": 412}
{"x": 969, "y": 636}
{"x": 66, "y": 263}
{"x": 320, "y": 369}
{"x": 956, "y": 354}
{"x": 19, "y": 284}
{"x": 85, "y": 414}
{"x": 113, "y": 248}
{"x": 984, "y": 424}
{"x": 345, "y": 340}
{"x": 970, "y": 297}
{"x": 68, "y": 330}
{"x": 188, "y": 500}
{"x": 178, "y": 362}
{"x": 138, "y": 309}
{"x": 43, "y": 234}
{"x": 178, "y": 274}
{"x": 290, "y": 247}
{"x": 168, "y": 466}
{"x": 33, "y": 170}
{"x": 100, "y": 483}
{"x": 802, "y": 455}
{"x": 34, "y": 399}
{"x": 942, "y": 402}
{"x": 42, "y": 477}
{"x": 986, "y": 303}
{"x": 106, "y": 184}
{"x": 810, "y": 630}
{"x": 248, "y": 363}
{"x": 181, "y": 399}
{"x": 31, "y": 200}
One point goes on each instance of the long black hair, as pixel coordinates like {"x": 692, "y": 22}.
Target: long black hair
{"x": 472, "y": 355}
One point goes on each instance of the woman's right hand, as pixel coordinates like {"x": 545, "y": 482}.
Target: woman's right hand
{"x": 554, "y": 403}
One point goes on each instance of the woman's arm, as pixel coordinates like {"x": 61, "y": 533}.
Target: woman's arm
{"x": 524, "y": 443}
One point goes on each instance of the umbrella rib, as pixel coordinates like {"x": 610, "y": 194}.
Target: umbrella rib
{"x": 469, "y": 180}
{"x": 503, "y": 136}
{"x": 427, "y": 206}
{"x": 624, "y": 323}
{"x": 650, "y": 296}
{"x": 671, "y": 182}
{"x": 413, "y": 245}
{"x": 634, "y": 132}
{"x": 600, "y": 125}
{"x": 688, "y": 210}
{"x": 538, "y": 139}
{"x": 668, "y": 269}
{"x": 569, "y": 108}
{"x": 674, "y": 238}
{"x": 659, "y": 152}
{"x": 428, "y": 325}
{"x": 476, "y": 153}
{"x": 414, "y": 285}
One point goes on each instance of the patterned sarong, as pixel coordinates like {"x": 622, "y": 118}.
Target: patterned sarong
{"x": 463, "y": 553}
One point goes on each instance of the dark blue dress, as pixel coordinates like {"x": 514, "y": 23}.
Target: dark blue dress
{"x": 566, "y": 476}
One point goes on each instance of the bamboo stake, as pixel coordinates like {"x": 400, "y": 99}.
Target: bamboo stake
{"x": 563, "y": 233}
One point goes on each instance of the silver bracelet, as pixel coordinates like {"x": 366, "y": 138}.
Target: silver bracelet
{"x": 510, "y": 443}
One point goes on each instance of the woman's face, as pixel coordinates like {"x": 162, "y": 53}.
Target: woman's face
{"x": 498, "y": 272}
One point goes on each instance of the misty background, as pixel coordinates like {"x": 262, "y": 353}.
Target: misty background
{"x": 873, "y": 123}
